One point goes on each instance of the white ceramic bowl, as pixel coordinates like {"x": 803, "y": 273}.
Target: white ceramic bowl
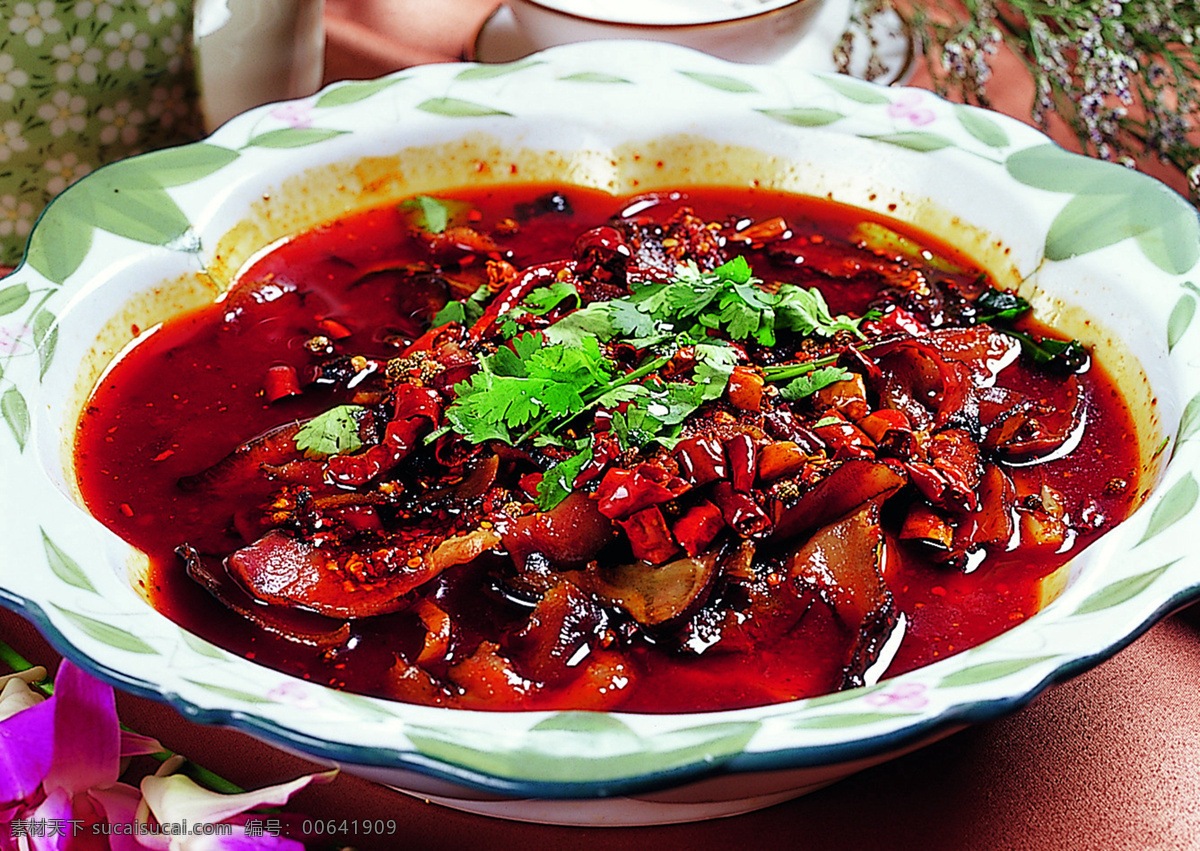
{"x": 1107, "y": 255}
{"x": 752, "y": 31}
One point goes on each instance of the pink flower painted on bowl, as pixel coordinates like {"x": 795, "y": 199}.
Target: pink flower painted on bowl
{"x": 901, "y": 696}
{"x": 12, "y": 340}
{"x": 908, "y": 107}
{"x": 297, "y": 115}
{"x": 294, "y": 694}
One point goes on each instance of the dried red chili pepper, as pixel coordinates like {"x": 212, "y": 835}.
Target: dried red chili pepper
{"x": 740, "y": 511}
{"x": 623, "y": 492}
{"x": 648, "y": 535}
{"x": 281, "y": 382}
{"x": 701, "y": 460}
{"x": 743, "y": 466}
{"x": 697, "y": 528}
{"x": 333, "y": 329}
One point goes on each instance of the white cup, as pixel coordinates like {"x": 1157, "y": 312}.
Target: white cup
{"x": 251, "y": 52}
{"x": 750, "y": 31}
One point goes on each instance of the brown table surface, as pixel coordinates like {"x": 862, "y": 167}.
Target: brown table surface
{"x": 1109, "y": 760}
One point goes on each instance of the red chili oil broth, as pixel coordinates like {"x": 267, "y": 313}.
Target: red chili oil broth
{"x": 192, "y": 391}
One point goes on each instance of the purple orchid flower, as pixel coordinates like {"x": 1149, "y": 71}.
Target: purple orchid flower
{"x": 60, "y": 759}
{"x": 59, "y": 763}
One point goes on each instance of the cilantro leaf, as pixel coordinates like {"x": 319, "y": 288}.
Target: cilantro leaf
{"x": 528, "y": 385}
{"x": 452, "y": 311}
{"x": 542, "y": 300}
{"x": 729, "y": 300}
{"x": 621, "y": 394}
{"x": 811, "y": 382}
{"x": 335, "y": 432}
{"x": 627, "y": 318}
{"x": 1061, "y": 356}
{"x": 714, "y": 364}
{"x": 998, "y": 304}
{"x": 537, "y": 302}
{"x": 805, "y": 312}
{"x": 673, "y": 403}
{"x": 433, "y": 214}
{"x": 736, "y": 270}
{"x": 465, "y": 311}
{"x": 595, "y": 320}
{"x": 634, "y": 428}
{"x": 559, "y": 481}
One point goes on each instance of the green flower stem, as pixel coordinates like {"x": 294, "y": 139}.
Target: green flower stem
{"x": 15, "y": 662}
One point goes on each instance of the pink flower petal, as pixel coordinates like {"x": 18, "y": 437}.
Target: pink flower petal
{"x": 25, "y": 751}
{"x": 119, "y": 804}
{"x": 57, "y": 815}
{"x": 175, "y": 798}
{"x": 135, "y": 744}
{"x": 87, "y": 735}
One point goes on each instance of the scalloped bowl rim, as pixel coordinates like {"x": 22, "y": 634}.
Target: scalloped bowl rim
{"x": 812, "y": 732}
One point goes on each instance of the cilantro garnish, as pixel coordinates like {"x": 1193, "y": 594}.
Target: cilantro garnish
{"x": 527, "y": 384}
{"x": 433, "y": 214}
{"x": 811, "y": 382}
{"x": 995, "y": 305}
{"x": 464, "y": 311}
{"x": 539, "y": 382}
{"x": 542, "y": 300}
{"x": 335, "y": 432}
{"x": 537, "y": 302}
{"x": 729, "y": 299}
{"x": 656, "y": 414}
{"x": 558, "y": 482}
{"x": 1061, "y": 356}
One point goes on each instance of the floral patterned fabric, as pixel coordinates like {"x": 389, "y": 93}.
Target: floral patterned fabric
{"x": 84, "y": 83}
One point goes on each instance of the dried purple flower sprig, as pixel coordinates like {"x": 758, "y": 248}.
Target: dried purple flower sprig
{"x": 1124, "y": 75}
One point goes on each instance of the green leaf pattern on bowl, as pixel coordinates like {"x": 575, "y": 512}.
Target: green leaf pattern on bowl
{"x": 348, "y": 93}
{"x": 65, "y": 567}
{"x": 595, "y": 77}
{"x": 107, "y": 634}
{"x": 1173, "y": 505}
{"x": 987, "y": 672}
{"x": 616, "y": 750}
{"x": 1116, "y": 593}
{"x": 922, "y": 141}
{"x": 978, "y": 124}
{"x": 804, "y": 116}
{"x": 1180, "y": 319}
{"x": 720, "y": 82}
